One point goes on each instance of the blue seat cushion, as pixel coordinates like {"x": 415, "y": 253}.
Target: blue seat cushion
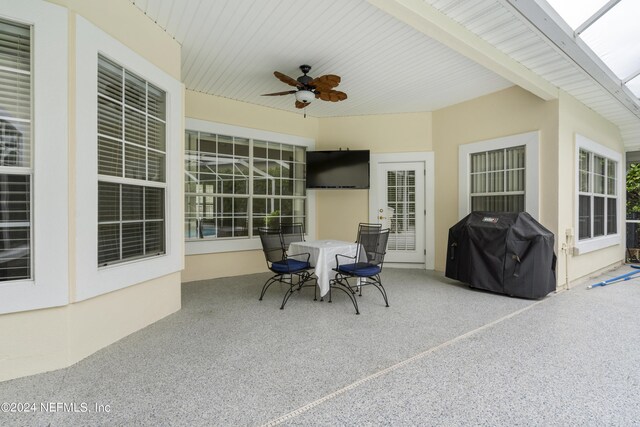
{"x": 361, "y": 269}
{"x": 289, "y": 266}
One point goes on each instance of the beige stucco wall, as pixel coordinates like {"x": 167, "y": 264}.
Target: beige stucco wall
{"x": 575, "y": 118}
{"x": 42, "y": 340}
{"x": 53, "y": 338}
{"x": 507, "y": 112}
{"x": 340, "y": 211}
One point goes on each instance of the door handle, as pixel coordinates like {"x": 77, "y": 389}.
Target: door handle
{"x": 381, "y": 217}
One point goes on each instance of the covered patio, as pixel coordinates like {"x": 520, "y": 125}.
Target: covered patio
{"x": 441, "y": 354}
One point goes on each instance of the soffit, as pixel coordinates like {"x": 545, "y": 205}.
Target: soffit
{"x": 500, "y": 24}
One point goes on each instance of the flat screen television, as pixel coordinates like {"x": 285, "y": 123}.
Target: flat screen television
{"x": 338, "y": 169}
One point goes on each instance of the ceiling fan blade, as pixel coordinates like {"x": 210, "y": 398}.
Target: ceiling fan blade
{"x": 336, "y": 96}
{"x": 286, "y": 79}
{"x": 301, "y": 104}
{"x": 326, "y": 82}
{"x": 323, "y": 95}
{"x": 288, "y": 92}
{"x": 331, "y": 95}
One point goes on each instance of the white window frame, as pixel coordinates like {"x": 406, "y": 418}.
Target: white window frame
{"x": 595, "y": 243}
{"x": 49, "y": 285}
{"x": 140, "y": 183}
{"x": 205, "y": 246}
{"x": 530, "y": 141}
{"x": 91, "y": 280}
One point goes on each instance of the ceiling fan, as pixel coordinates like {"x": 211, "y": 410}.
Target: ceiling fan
{"x": 308, "y": 88}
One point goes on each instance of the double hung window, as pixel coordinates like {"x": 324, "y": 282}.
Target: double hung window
{"x": 234, "y": 185}
{"x": 597, "y": 195}
{"x": 499, "y": 175}
{"x": 16, "y": 170}
{"x": 131, "y": 165}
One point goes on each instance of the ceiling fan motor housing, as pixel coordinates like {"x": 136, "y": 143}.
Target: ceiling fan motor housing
{"x": 305, "y": 80}
{"x": 305, "y": 68}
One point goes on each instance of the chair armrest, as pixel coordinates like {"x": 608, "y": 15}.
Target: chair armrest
{"x": 344, "y": 256}
{"x": 299, "y": 255}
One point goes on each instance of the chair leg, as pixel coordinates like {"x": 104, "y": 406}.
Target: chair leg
{"x": 375, "y": 281}
{"x": 302, "y": 279}
{"x": 351, "y": 297}
{"x": 268, "y": 283}
{"x": 292, "y": 285}
{"x": 378, "y": 284}
{"x": 286, "y": 298}
{"x": 346, "y": 288}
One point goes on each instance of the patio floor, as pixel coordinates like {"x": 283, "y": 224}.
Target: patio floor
{"x": 441, "y": 354}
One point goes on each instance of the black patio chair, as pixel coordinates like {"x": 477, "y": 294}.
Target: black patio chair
{"x": 285, "y": 267}
{"x": 291, "y": 232}
{"x": 365, "y": 266}
{"x": 368, "y": 232}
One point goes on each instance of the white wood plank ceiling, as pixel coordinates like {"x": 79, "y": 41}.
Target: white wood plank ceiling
{"x": 230, "y": 48}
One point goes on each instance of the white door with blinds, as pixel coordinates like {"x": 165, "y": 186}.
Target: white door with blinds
{"x": 401, "y": 208}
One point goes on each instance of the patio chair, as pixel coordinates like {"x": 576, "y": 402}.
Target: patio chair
{"x": 366, "y": 232}
{"x": 285, "y": 267}
{"x": 365, "y": 266}
{"x": 291, "y": 232}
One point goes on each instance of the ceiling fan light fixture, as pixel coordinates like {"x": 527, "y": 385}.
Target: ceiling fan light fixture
{"x": 305, "y": 96}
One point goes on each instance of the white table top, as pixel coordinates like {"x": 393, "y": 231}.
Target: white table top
{"x": 323, "y": 257}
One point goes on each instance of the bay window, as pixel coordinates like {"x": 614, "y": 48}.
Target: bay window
{"x": 128, "y": 176}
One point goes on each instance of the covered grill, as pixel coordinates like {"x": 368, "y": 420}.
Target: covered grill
{"x": 509, "y": 253}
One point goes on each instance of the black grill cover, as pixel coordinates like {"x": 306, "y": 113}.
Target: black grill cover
{"x": 509, "y": 253}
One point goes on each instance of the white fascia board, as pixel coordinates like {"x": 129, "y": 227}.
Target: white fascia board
{"x": 434, "y": 24}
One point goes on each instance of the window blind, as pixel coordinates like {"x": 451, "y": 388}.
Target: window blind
{"x": 498, "y": 180}
{"x": 131, "y": 165}
{"x": 15, "y": 151}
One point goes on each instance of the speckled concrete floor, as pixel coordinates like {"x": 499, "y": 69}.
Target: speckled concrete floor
{"x": 442, "y": 354}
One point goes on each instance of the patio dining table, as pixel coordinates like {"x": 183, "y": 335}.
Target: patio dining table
{"x": 323, "y": 257}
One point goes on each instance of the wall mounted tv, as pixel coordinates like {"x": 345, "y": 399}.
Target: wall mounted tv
{"x": 338, "y": 169}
